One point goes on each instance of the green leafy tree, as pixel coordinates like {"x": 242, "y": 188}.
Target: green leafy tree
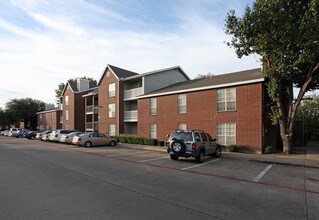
{"x": 205, "y": 76}
{"x": 285, "y": 34}
{"x": 25, "y": 110}
{"x": 5, "y": 119}
{"x": 58, "y": 92}
{"x": 309, "y": 112}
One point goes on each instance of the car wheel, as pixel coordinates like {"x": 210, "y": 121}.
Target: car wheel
{"x": 88, "y": 144}
{"x": 201, "y": 157}
{"x": 173, "y": 157}
{"x": 178, "y": 147}
{"x": 218, "y": 152}
{"x": 112, "y": 143}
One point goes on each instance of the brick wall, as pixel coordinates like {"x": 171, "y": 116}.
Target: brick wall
{"x": 104, "y": 101}
{"x": 202, "y": 114}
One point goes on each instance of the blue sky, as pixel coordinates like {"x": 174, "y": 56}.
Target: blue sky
{"x": 44, "y": 42}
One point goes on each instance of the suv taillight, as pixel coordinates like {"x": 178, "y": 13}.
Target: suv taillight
{"x": 194, "y": 146}
{"x": 79, "y": 139}
{"x": 167, "y": 144}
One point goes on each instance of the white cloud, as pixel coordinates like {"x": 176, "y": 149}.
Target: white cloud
{"x": 56, "y": 46}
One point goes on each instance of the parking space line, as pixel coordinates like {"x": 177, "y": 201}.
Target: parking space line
{"x": 119, "y": 155}
{"x": 159, "y": 158}
{"x": 257, "y": 178}
{"x": 187, "y": 168}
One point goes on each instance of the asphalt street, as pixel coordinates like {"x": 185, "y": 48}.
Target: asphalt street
{"x": 41, "y": 180}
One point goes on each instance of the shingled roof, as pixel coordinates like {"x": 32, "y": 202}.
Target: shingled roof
{"x": 122, "y": 73}
{"x": 224, "y": 80}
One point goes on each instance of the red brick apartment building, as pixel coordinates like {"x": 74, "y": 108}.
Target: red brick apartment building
{"x": 49, "y": 119}
{"x": 232, "y": 107}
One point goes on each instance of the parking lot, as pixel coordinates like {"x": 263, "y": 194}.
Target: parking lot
{"x": 288, "y": 191}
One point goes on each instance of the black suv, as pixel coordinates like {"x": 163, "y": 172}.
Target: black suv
{"x": 194, "y": 143}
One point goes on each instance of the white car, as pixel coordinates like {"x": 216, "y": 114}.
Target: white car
{"x": 67, "y": 138}
{"x": 56, "y": 134}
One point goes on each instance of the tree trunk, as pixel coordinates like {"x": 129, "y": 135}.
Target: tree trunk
{"x": 287, "y": 144}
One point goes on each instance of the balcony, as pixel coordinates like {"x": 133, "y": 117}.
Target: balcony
{"x": 91, "y": 126}
{"x": 132, "y": 93}
{"x": 91, "y": 109}
{"x": 130, "y": 116}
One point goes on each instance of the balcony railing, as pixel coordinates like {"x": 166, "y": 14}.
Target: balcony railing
{"x": 130, "y": 115}
{"x": 133, "y": 93}
{"x": 91, "y": 109}
{"x": 91, "y": 126}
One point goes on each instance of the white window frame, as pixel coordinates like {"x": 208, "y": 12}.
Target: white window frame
{"x": 66, "y": 115}
{"x": 226, "y": 99}
{"x": 181, "y": 104}
{"x": 111, "y": 109}
{"x": 66, "y": 100}
{"x": 153, "y": 131}
{"x": 181, "y": 126}
{"x": 153, "y": 106}
{"x": 226, "y": 133}
{"x": 112, "y": 90}
{"x": 112, "y": 129}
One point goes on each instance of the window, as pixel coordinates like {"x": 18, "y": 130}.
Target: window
{"x": 112, "y": 110}
{"x": 66, "y": 101}
{"x": 226, "y": 99}
{"x": 66, "y": 115}
{"x": 153, "y": 131}
{"x": 111, "y": 90}
{"x": 181, "y": 126}
{"x": 52, "y": 116}
{"x": 153, "y": 105}
{"x": 41, "y": 116}
{"x": 181, "y": 103}
{"x": 112, "y": 129}
{"x": 226, "y": 133}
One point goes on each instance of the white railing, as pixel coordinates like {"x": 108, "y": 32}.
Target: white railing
{"x": 133, "y": 93}
{"x": 91, "y": 126}
{"x": 90, "y": 109}
{"x": 130, "y": 115}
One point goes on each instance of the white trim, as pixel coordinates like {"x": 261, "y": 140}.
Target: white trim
{"x": 203, "y": 88}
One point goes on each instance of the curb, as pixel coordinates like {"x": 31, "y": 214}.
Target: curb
{"x": 275, "y": 159}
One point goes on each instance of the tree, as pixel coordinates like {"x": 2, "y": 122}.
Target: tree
{"x": 309, "y": 112}
{"x": 25, "y": 110}
{"x": 58, "y": 92}
{"x": 205, "y": 76}
{"x": 285, "y": 34}
{"x": 5, "y": 119}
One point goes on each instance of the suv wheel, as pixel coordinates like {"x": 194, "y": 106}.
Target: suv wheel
{"x": 173, "y": 157}
{"x": 201, "y": 157}
{"x": 178, "y": 147}
{"x": 218, "y": 152}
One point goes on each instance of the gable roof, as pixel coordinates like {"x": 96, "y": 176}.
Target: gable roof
{"x": 219, "y": 81}
{"x": 118, "y": 72}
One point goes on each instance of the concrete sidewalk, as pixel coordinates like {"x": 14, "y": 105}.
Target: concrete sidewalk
{"x": 310, "y": 158}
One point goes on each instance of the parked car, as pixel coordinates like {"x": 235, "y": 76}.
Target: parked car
{"x": 194, "y": 143}
{"x": 30, "y": 135}
{"x": 20, "y": 133}
{"x": 67, "y": 138}
{"x": 45, "y": 135}
{"x": 56, "y": 134}
{"x": 40, "y": 133}
{"x": 12, "y": 131}
{"x": 94, "y": 139}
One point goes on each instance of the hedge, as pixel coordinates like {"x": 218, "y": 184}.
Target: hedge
{"x": 136, "y": 140}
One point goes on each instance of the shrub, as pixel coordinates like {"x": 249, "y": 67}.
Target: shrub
{"x": 136, "y": 140}
{"x": 269, "y": 149}
{"x": 232, "y": 148}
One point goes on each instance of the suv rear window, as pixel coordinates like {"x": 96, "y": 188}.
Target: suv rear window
{"x": 182, "y": 135}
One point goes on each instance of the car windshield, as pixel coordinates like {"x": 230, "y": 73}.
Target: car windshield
{"x": 182, "y": 135}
